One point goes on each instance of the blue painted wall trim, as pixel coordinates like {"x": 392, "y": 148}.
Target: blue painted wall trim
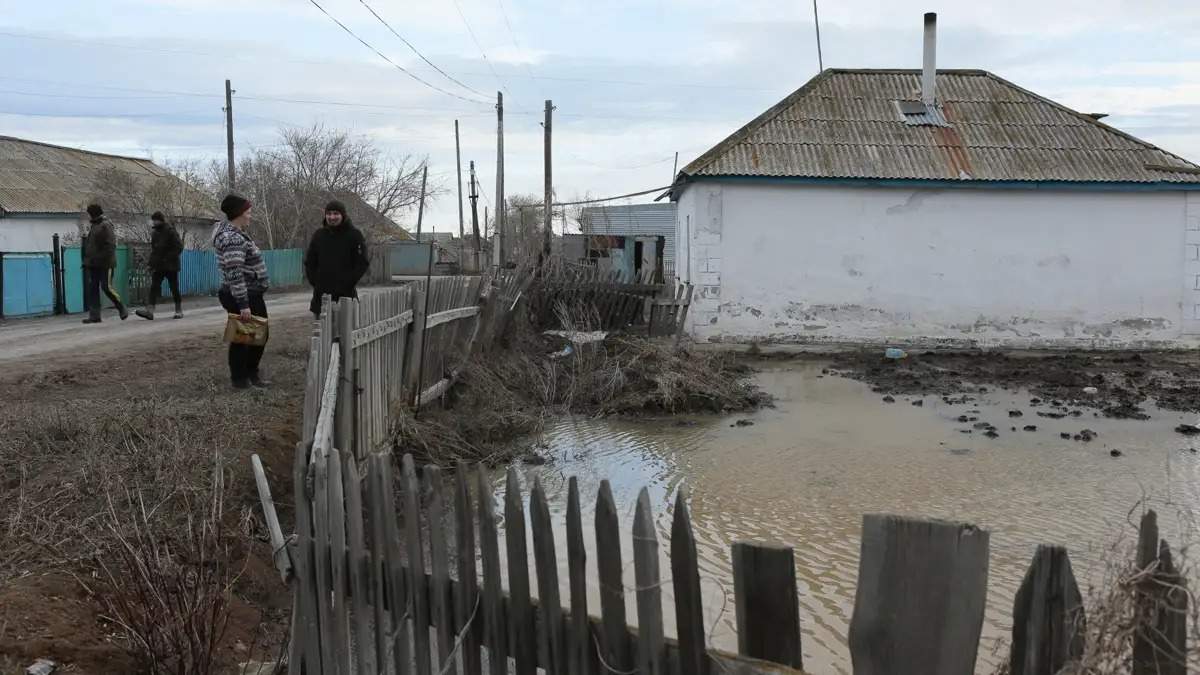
{"x": 952, "y": 184}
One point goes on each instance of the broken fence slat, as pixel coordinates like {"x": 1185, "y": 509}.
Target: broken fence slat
{"x": 279, "y": 552}
{"x": 902, "y": 624}
{"x": 766, "y": 603}
{"x": 1048, "y": 617}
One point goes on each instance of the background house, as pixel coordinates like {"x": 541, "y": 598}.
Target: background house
{"x": 893, "y": 205}
{"x": 44, "y": 189}
{"x": 631, "y": 237}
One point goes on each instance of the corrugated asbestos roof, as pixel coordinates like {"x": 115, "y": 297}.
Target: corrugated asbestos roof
{"x": 41, "y": 178}
{"x": 846, "y": 124}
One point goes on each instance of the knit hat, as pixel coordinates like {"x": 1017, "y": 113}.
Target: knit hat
{"x": 337, "y": 206}
{"x": 158, "y": 217}
{"x": 94, "y": 211}
{"x": 234, "y": 205}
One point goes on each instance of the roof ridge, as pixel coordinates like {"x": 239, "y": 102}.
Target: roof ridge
{"x": 67, "y": 147}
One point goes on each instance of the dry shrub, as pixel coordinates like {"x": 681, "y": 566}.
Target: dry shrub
{"x": 509, "y": 393}
{"x": 168, "y": 589}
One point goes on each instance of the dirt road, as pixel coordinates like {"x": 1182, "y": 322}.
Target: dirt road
{"x": 37, "y": 344}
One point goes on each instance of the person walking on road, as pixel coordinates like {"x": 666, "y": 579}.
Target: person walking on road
{"x": 165, "y": 249}
{"x": 336, "y": 258}
{"x": 243, "y": 283}
{"x": 100, "y": 258}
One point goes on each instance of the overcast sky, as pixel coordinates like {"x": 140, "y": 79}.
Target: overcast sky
{"x": 633, "y": 81}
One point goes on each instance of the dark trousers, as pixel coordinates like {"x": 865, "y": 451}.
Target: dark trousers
{"x": 244, "y": 359}
{"x": 315, "y": 305}
{"x": 156, "y": 280}
{"x": 100, "y": 279}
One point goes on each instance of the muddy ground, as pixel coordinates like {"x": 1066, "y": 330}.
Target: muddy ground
{"x": 149, "y": 416}
{"x": 1120, "y": 385}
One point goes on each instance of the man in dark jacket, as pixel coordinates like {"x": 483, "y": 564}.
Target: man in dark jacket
{"x": 336, "y": 258}
{"x": 165, "y": 249}
{"x": 100, "y": 258}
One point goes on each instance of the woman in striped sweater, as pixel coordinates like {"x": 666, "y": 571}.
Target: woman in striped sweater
{"x": 243, "y": 283}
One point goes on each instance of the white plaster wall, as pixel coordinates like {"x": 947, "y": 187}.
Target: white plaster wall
{"x": 29, "y": 233}
{"x": 813, "y": 264}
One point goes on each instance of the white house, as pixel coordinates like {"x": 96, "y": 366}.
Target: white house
{"x": 45, "y": 188}
{"x": 893, "y": 206}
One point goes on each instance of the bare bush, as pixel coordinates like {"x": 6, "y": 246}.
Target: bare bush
{"x": 169, "y": 590}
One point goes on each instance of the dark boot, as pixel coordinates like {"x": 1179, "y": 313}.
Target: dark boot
{"x": 146, "y": 313}
{"x": 241, "y": 384}
{"x": 92, "y": 319}
{"x": 257, "y": 381}
{"x": 178, "y": 310}
{"x": 123, "y": 312}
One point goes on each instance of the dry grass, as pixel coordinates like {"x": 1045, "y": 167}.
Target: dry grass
{"x": 511, "y": 392}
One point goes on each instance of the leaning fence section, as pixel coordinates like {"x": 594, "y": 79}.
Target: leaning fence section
{"x": 610, "y": 300}
{"x": 400, "y": 347}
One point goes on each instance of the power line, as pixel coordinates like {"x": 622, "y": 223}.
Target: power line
{"x": 482, "y": 53}
{"x": 418, "y": 53}
{"x": 385, "y": 58}
{"x": 516, "y": 43}
{"x": 609, "y": 199}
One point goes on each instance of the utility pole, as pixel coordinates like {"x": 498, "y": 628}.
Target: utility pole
{"x": 675, "y": 169}
{"x": 547, "y": 243}
{"x": 487, "y": 233}
{"x": 421, "y": 203}
{"x": 498, "y": 247}
{"x": 475, "y": 216}
{"x": 458, "y": 168}
{"x": 229, "y": 131}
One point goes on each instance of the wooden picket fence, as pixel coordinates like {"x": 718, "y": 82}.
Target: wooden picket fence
{"x": 400, "y": 347}
{"x": 611, "y": 300}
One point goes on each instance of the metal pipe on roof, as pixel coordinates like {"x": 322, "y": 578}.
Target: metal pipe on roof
{"x": 929, "y": 71}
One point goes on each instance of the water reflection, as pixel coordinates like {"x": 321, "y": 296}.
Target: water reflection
{"x": 805, "y": 472}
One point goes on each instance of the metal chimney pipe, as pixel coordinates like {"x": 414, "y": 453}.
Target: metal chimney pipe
{"x": 929, "y": 71}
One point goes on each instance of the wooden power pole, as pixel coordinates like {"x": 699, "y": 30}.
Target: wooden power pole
{"x": 475, "y": 215}
{"x": 458, "y": 169}
{"x": 498, "y": 247}
{"x": 547, "y": 243}
{"x": 229, "y": 132}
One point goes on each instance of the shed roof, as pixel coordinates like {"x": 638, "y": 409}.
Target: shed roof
{"x": 39, "y": 177}
{"x": 848, "y": 124}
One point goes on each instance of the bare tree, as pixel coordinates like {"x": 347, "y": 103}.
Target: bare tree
{"x": 290, "y": 185}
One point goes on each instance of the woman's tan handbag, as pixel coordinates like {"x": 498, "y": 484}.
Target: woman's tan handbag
{"x": 253, "y": 332}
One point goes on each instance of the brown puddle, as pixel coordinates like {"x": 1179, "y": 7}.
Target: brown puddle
{"x": 806, "y": 471}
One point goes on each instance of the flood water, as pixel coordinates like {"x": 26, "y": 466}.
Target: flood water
{"x": 806, "y": 472}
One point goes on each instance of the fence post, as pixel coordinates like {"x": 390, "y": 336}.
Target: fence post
{"x": 346, "y": 390}
{"x": 60, "y": 300}
{"x": 1048, "y": 618}
{"x": 1160, "y": 637}
{"x": 922, "y": 585}
{"x": 415, "y": 344}
{"x": 768, "y": 610}
{"x": 1, "y": 284}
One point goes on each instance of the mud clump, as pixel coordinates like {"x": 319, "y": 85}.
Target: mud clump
{"x": 1117, "y": 384}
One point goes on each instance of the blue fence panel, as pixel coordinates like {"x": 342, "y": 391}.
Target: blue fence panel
{"x": 198, "y": 274}
{"x": 28, "y": 284}
{"x": 285, "y": 266}
{"x": 73, "y": 278}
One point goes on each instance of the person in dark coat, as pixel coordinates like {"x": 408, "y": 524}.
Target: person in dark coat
{"x": 336, "y": 257}
{"x": 165, "y": 249}
{"x": 100, "y": 258}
